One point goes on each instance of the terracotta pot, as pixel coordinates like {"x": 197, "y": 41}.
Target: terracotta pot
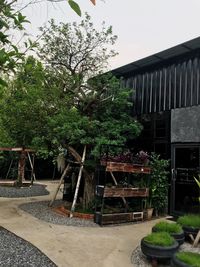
{"x": 149, "y": 213}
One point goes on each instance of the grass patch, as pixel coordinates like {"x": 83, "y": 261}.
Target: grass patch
{"x": 190, "y": 258}
{"x": 160, "y": 239}
{"x": 174, "y": 228}
{"x": 190, "y": 220}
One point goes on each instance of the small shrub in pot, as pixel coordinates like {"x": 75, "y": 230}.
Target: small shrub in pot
{"x": 186, "y": 259}
{"x": 159, "y": 245}
{"x": 174, "y": 229}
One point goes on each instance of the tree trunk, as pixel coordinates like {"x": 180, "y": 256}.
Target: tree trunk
{"x": 89, "y": 189}
{"x": 78, "y": 182}
{"x": 21, "y": 168}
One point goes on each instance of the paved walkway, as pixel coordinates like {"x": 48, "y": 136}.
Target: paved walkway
{"x": 70, "y": 246}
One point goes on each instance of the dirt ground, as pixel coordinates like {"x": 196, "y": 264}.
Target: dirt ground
{"x": 70, "y": 246}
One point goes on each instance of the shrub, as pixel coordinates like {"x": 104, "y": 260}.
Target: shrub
{"x": 190, "y": 258}
{"x": 168, "y": 227}
{"x": 190, "y": 220}
{"x": 160, "y": 239}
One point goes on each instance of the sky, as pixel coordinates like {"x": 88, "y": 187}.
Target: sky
{"x": 143, "y": 27}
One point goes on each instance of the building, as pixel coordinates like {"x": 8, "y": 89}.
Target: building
{"x": 166, "y": 95}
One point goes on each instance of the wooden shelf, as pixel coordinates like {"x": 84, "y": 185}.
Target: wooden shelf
{"x": 103, "y": 219}
{"x": 125, "y": 167}
{"x": 121, "y": 192}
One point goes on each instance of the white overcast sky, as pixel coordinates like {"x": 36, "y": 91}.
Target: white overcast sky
{"x": 143, "y": 27}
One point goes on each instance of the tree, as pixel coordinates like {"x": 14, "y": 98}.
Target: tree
{"x": 69, "y": 103}
{"x": 9, "y": 54}
{"x": 100, "y": 111}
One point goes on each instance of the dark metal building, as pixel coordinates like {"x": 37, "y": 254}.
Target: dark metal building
{"x": 166, "y": 95}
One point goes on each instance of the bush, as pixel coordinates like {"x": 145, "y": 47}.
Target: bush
{"x": 168, "y": 227}
{"x": 160, "y": 239}
{"x": 158, "y": 183}
{"x": 190, "y": 220}
{"x": 190, "y": 258}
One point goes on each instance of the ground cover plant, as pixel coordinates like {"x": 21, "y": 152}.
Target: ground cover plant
{"x": 160, "y": 239}
{"x": 168, "y": 227}
{"x": 190, "y": 258}
{"x": 190, "y": 220}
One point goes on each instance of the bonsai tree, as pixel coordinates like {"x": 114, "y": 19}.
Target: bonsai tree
{"x": 174, "y": 229}
{"x": 186, "y": 259}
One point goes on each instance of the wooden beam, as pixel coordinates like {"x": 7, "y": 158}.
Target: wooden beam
{"x": 78, "y": 183}
{"x": 59, "y": 185}
{"x": 115, "y": 182}
{"x": 196, "y": 240}
{"x": 32, "y": 168}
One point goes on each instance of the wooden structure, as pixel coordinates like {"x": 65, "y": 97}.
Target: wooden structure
{"x": 23, "y": 154}
{"x": 104, "y": 192}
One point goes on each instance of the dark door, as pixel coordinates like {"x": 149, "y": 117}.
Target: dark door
{"x": 184, "y": 189}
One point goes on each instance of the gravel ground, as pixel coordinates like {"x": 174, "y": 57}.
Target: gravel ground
{"x": 16, "y": 192}
{"x": 41, "y": 211}
{"x": 138, "y": 259}
{"x": 16, "y": 252}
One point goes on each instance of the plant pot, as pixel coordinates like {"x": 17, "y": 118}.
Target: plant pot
{"x": 177, "y": 263}
{"x": 190, "y": 231}
{"x": 179, "y": 237}
{"x": 158, "y": 252}
{"x": 148, "y": 214}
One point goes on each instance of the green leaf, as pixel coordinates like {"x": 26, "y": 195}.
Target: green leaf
{"x": 3, "y": 24}
{"x": 75, "y": 7}
{"x": 198, "y": 182}
{"x": 2, "y": 82}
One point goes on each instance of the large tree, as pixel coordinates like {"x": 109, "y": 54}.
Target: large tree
{"x": 100, "y": 111}
{"x": 70, "y": 102}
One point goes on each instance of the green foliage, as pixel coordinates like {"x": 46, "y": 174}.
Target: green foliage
{"x": 26, "y": 108}
{"x": 190, "y": 220}
{"x": 168, "y": 227}
{"x": 64, "y": 104}
{"x": 158, "y": 182}
{"x": 190, "y": 258}
{"x": 10, "y": 19}
{"x": 160, "y": 239}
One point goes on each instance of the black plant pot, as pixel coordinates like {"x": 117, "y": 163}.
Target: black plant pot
{"x": 190, "y": 230}
{"x": 177, "y": 263}
{"x": 179, "y": 237}
{"x": 158, "y": 252}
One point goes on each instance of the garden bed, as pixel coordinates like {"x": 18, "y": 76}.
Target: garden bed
{"x": 63, "y": 211}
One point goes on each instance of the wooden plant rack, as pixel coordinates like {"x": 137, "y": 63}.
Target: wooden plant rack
{"x": 103, "y": 192}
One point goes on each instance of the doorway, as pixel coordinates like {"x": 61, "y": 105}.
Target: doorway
{"x": 185, "y": 166}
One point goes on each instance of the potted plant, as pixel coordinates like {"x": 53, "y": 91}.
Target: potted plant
{"x": 186, "y": 259}
{"x": 174, "y": 229}
{"x": 190, "y": 224}
{"x": 158, "y": 186}
{"x": 159, "y": 245}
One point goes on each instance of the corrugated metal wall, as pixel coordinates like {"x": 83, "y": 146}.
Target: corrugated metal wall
{"x": 166, "y": 87}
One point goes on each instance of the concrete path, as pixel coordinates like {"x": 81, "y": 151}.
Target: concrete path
{"x": 70, "y": 246}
